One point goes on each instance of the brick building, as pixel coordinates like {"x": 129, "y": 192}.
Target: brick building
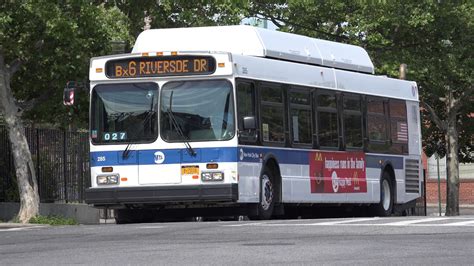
{"x": 466, "y": 184}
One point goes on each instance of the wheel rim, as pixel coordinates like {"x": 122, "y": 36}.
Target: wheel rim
{"x": 386, "y": 195}
{"x": 267, "y": 192}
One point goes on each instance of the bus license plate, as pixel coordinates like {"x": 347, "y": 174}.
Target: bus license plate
{"x": 190, "y": 170}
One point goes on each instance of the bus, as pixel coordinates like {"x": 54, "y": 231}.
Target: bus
{"x": 251, "y": 120}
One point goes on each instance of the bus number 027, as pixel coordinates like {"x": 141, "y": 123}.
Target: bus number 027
{"x": 115, "y": 136}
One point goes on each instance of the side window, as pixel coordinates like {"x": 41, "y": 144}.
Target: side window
{"x": 246, "y": 107}
{"x": 327, "y": 119}
{"x": 272, "y": 113}
{"x": 376, "y": 120}
{"x": 377, "y": 129}
{"x": 300, "y": 116}
{"x": 398, "y": 126}
{"x": 352, "y": 120}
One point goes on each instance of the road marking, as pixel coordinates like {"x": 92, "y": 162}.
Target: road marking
{"x": 151, "y": 227}
{"x": 428, "y": 222}
{"x": 464, "y": 223}
{"x": 410, "y": 222}
{"x": 20, "y": 228}
{"x": 347, "y": 221}
{"x": 243, "y": 224}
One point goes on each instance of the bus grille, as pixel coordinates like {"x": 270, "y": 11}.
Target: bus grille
{"x": 412, "y": 184}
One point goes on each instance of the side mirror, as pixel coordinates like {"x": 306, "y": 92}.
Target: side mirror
{"x": 68, "y": 96}
{"x": 249, "y": 122}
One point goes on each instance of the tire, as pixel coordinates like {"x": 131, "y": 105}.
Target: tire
{"x": 267, "y": 197}
{"x": 385, "y": 206}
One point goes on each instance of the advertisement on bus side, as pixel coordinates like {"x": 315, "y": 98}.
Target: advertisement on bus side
{"x": 337, "y": 172}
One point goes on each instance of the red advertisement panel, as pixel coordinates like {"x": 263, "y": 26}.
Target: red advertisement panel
{"x": 337, "y": 172}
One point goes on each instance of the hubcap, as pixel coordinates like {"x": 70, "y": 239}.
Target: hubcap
{"x": 386, "y": 196}
{"x": 267, "y": 192}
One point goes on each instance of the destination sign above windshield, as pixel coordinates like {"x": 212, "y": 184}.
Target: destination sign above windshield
{"x": 160, "y": 66}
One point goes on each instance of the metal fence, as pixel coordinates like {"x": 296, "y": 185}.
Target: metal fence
{"x": 61, "y": 159}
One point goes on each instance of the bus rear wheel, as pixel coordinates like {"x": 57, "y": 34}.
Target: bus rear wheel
{"x": 267, "y": 197}
{"x": 385, "y": 206}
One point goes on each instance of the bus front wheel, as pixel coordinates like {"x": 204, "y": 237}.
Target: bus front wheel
{"x": 267, "y": 197}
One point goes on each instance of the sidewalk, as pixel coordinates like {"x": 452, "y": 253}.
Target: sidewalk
{"x": 433, "y": 209}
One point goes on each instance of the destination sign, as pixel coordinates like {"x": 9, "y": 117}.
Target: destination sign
{"x": 160, "y": 66}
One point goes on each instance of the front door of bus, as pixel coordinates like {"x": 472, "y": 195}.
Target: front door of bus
{"x": 159, "y": 167}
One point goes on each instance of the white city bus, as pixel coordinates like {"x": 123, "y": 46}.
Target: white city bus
{"x": 248, "y": 119}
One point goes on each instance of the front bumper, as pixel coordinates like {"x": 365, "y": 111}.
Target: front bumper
{"x": 162, "y": 194}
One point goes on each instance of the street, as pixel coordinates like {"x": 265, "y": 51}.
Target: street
{"x": 365, "y": 240}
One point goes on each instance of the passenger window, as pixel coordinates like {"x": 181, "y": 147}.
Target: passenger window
{"x": 327, "y": 119}
{"x": 376, "y": 120}
{"x": 272, "y": 113}
{"x": 300, "y": 116}
{"x": 352, "y": 121}
{"x": 398, "y": 126}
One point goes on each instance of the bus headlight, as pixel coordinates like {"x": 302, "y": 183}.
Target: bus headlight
{"x": 107, "y": 179}
{"x": 212, "y": 176}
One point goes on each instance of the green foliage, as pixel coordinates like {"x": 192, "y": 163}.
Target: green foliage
{"x": 52, "y": 220}
{"x": 55, "y": 40}
{"x": 70, "y": 32}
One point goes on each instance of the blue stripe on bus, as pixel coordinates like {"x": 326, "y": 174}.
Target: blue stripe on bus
{"x": 373, "y": 161}
{"x": 227, "y": 154}
{"x": 171, "y": 156}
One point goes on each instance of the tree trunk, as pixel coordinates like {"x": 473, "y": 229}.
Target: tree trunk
{"x": 452, "y": 171}
{"x": 25, "y": 170}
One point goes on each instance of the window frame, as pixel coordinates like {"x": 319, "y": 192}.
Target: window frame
{"x": 334, "y": 110}
{"x": 309, "y": 108}
{"x": 282, "y": 105}
{"x": 349, "y": 112}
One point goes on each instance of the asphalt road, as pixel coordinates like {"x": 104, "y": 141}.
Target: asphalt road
{"x": 362, "y": 241}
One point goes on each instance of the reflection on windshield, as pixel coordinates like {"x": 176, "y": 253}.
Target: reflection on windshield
{"x": 124, "y": 113}
{"x": 203, "y": 110}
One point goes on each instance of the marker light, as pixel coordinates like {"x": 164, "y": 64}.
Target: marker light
{"x": 145, "y": 54}
{"x": 221, "y": 64}
{"x": 212, "y": 166}
{"x": 159, "y": 53}
{"x": 99, "y": 70}
{"x": 174, "y": 53}
{"x": 108, "y": 169}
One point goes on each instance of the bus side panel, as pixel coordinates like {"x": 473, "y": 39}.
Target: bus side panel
{"x": 249, "y": 176}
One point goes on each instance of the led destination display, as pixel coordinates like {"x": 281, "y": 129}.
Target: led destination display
{"x": 160, "y": 66}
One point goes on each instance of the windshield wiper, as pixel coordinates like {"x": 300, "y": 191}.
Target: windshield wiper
{"x": 178, "y": 128}
{"x": 149, "y": 114}
{"x": 126, "y": 152}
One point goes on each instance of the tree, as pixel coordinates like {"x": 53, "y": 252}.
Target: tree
{"x": 68, "y": 33}
{"x": 435, "y": 39}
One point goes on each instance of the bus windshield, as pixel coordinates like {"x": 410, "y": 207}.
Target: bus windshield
{"x": 124, "y": 113}
{"x": 197, "y": 111}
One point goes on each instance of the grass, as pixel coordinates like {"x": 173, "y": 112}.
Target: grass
{"x": 52, "y": 220}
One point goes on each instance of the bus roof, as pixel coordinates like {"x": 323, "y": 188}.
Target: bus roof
{"x": 253, "y": 41}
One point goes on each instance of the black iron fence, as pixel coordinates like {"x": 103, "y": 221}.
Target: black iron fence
{"x": 61, "y": 159}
